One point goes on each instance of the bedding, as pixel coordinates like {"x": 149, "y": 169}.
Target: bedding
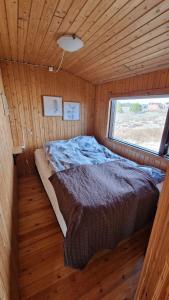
{"x": 45, "y": 171}
{"x": 85, "y": 150}
{"x": 123, "y": 200}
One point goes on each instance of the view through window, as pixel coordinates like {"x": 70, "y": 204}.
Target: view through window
{"x": 139, "y": 122}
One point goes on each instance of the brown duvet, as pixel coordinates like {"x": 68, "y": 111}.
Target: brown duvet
{"x": 102, "y": 204}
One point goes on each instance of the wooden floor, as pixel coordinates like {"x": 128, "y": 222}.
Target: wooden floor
{"x": 109, "y": 275}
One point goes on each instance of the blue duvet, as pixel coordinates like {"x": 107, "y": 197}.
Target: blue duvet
{"x": 83, "y": 150}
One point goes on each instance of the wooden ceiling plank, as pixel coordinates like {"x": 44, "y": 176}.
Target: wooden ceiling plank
{"x": 45, "y": 51}
{"x": 157, "y": 54}
{"x": 122, "y": 7}
{"x": 148, "y": 65}
{"x": 34, "y": 19}
{"x": 137, "y": 18}
{"x": 23, "y": 21}
{"x": 87, "y": 10}
{"x": 150, "y": 61}
{"x": 154, "y": 67}
{"x": 152, "y": 46}
{"x": 124, "y": 36}
{"x": 140, "y": 20}
{"x": 120, "y": 46}
{"x": 71, "y": 14}
{"x": 124, "y": 72}
{"x": 102, "y": 27}
{"x": 4, "y": 31}
{"x": 83, "y": 15}
{"x": 11, "y": 10}
{"x": 102, "y": 33}
{"x": 49, "y": 44}
{"x": 45, "y": 20}
{"x": 130, "y": 65}
{"x": 97, "y": 59}
{"x": 96, "y": 24}
{"x": 63, "y": 8}
{"x": 129, "y": 74}
{"x": 100, "y": 10}
{"x": 146, "y": 33}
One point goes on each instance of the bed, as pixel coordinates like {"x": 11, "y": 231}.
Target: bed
{"x": 45, "y": 171}
{"x": 50, "y": 162}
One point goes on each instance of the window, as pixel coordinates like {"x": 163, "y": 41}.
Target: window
{"x": 141, "y": 122}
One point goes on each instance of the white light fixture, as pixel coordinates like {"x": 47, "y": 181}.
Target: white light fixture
{"x": 70, "y": 43}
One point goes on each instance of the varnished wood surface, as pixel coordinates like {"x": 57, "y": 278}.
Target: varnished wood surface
{"x": 25, "y": 86}
{"x": 152, "y": 83}
{"x": 122, "y": 38}
{"x": 154, "y": 280}
{"x": 8, "y": 210}
{"x": 109, "y": 275}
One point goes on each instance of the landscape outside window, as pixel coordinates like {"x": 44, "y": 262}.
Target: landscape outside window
{"x": 140, "y": 121}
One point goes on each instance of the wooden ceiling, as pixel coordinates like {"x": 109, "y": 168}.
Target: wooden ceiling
{"x": 122, "y": 37}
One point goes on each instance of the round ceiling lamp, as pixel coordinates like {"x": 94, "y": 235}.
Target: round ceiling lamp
{"x": 70, "y": 43}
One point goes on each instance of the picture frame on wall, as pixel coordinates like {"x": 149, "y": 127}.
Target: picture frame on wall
{"x": 52, "y": 106}
{"x": 71, "y": 111}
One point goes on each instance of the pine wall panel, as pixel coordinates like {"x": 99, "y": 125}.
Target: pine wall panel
{"x": 8, "y": 206}
{"x": 154, "y": 279}
{"x": 152, "y": 83}
{"x": 25, "y": 85}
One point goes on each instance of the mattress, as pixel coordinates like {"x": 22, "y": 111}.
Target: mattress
{"x": 45, "y": 171}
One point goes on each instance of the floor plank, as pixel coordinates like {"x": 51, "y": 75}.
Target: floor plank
{"x": 109, "y": 275}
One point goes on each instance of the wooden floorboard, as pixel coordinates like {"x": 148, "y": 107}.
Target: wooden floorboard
{"x": 111, "y": 274}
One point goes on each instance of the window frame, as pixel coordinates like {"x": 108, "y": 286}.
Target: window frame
{"x": 164, "y": 143}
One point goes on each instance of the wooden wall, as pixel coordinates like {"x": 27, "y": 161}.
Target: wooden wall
{"x": 152, "y": 83}
{"x": 24, "y": 86}
{"x": 8, "y": 219}
{"x": 154, "y": 280}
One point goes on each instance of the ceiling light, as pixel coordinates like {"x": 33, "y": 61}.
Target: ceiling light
{"x": 70, "y": 43}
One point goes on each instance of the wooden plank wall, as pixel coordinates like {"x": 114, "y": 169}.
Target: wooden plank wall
{"x": 8, "y": 219}
{"x": 154, "y": 280}
{"x": 24, "y": 86}
{"x": 152, "y": 83}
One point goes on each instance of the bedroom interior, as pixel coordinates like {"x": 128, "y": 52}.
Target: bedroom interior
{"x": 84, "y": 207}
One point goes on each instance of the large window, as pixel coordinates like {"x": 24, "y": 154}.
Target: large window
{"x": 141, "y": 122}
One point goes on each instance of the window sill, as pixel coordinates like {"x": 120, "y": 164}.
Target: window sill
{"x": 141, "y": 149}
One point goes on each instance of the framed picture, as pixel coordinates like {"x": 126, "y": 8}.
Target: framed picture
{"x": 52, "y": 106}
{"x": 71, "y": 111}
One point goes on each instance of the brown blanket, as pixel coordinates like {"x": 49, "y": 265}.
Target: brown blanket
{"x": 102, "y": 204}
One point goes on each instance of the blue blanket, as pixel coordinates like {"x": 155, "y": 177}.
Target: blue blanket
{"x": 83, "y": 150}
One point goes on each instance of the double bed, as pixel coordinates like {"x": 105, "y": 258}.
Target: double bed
{"x": 80, "y": 157}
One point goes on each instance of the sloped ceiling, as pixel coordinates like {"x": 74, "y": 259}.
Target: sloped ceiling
{"x": 122, "y": 37}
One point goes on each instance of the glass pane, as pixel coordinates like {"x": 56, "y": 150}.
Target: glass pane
{"x": 141, "y": 121}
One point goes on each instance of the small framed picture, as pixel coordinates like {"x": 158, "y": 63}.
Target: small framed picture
{"x": 71, "y": 111}
{"x": 52, "y": 106}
